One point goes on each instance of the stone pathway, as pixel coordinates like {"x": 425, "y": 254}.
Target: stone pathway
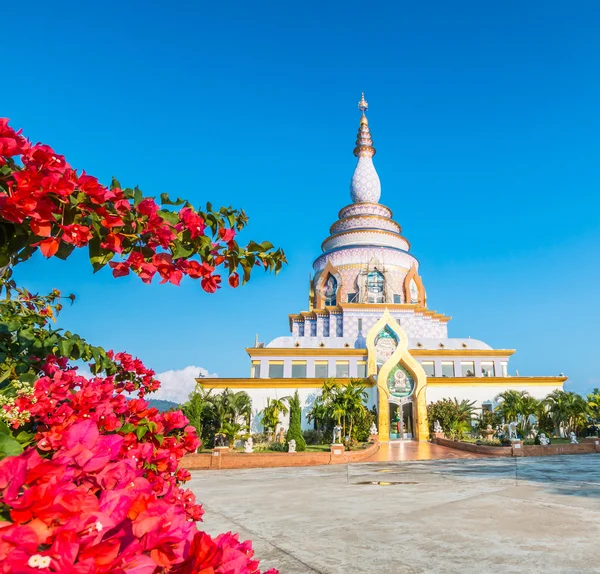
{"x": 484, "y": 515}
{"x": 398, "y": 451}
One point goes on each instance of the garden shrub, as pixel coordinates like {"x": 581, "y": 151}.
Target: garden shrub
{"x": 295, "y": 430}
{"x": 89, "y": 472}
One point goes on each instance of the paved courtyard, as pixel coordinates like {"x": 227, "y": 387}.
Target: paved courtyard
{"x": 468, "y": 515}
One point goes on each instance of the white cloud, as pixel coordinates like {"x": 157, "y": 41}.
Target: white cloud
{"x": 177, "y": 385}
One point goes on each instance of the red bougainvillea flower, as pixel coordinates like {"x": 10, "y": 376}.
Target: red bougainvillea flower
{"x": 120, "y": 269}
{"x": 226, "y": 235}
{"x": 211, "y": 283}
{"x": 49, "y": 246}
{"x": 234, "y": 279}
{"x": 11, "y": 142}
{"x": 113, "y": 242}
{"x": 42, "y": 156}
{"x": 78, "y": 235}
{"x": 192, "y": 222}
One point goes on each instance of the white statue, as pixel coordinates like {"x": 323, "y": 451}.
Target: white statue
{"x": 292, "y": 446}
{"x": 373, "y": 429}
{"x": 437, "y": 427}
{"x": 248, "y": 445}
{"x": 573, "y": 438}
{"x": 337, "y": 434}
{"x": 512, "y": 431}
{"x": 544, "y": 440}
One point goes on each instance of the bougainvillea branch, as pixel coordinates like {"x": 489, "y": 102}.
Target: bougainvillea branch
{"x": 45, "y": 204}
{"x": 89, "y": 473}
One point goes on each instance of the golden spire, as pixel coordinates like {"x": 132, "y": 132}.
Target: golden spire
{"x": 363, "y": 106}
{"x": 364, "y": 143}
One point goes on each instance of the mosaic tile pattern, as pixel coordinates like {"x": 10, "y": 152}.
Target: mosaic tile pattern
{"x": 367, "y": 238}
{"x": 365, "y": 209}
{"x": 365, "y": 221}
{"x": 365, "y": 185}
{"x": 362, "y": 255}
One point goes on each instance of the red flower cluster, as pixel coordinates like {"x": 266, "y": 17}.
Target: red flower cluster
{"x": 63, "y": 210}
{"x": 101, "y": 492}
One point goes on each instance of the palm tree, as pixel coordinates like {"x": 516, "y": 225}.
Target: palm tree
{"x": 593, "y": 400}
{"x": 232, "y": 430}
{"x": 521, "y": 407}
{"x": 569, "y": 411}
{"x": 271, "y": 413}
{"x": 344, "y": 404}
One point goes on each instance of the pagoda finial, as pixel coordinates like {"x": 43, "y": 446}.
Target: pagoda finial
{"x": 365, "y": 186}
{"x": 363, "y": 105}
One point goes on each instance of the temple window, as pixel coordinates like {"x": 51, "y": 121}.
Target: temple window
{"x": 342, "y": 369}
{"x": 375, "y": 290}
{"x": 361, "y": 369}
{"x": 504, "y": 367}
{"x": 298, "y": 369}
{"x": 275, "y": 369}
{"x": 360, "y": 325}
{"x": 487, "y": 370}
{"x": 255, "y": 371}
{"x": 467, "y": 369}
{"x": 486, "y": 406}
{"x": 397, "y": 299}
{"x": 447, "y": 369}
{"x": 429, "y": 368}
{"x": 329, "y": 291}
{"x": 352, "y": 297}
{"x": 321, "y": 369}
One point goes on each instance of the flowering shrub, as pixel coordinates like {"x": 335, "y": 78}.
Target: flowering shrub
{"x": 89, "y": 477}
{"x": 45, "y": 204}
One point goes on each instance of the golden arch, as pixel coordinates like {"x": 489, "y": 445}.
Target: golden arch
{"x": 412, "y": 274}
{"x": 400, "y": 355}
{"x": 329, "y": 269}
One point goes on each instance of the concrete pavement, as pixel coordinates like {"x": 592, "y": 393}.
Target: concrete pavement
{"x": 443, "y": 516}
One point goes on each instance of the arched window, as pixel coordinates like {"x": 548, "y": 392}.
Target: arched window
{"x": 375, "y": 287}
{"x": 329, "y": 291}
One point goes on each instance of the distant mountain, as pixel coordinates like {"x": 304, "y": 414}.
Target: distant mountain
{"x": 161, "y": 405}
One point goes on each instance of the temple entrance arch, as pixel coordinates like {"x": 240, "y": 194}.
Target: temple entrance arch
{"x": 401, "y": 419}
{"x": 398, "y": 374}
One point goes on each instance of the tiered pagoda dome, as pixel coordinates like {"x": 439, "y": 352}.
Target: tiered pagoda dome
{"x": 365, "y": 259}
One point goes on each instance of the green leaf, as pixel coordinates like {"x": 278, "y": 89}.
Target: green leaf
{"x": 166, "y": 200}
{"x": 140, "y": 431}
{"x": 64, "y": 250}
{"x": 65, "y": 347}
{"x": 169, "y": 216}
{"x": 137, "y": 196}
{"x": 182, "y": 252}
{"x": 114, "y": 184}
{"x": 9, "y": 446}
{"x": 127, "y": 428}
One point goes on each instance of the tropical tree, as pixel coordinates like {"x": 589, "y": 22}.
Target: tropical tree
{"x": 198, "y": 409}
{"x": 295, "y": 430}
{"x": 341, "y": 404}
{"x": 454, "y": 417}
{"x": 87, "y": 440}
{"x": 593, "y": 400}
{"x": 270, "y": 414}
{"x": 215, "y": 413}
{"x": 569, "y": 411}
{"x": 521, "y": 407}
{"x": 233, "y": 431}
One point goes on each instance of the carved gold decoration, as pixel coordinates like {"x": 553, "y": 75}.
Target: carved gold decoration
{"x": 400, "y": 355}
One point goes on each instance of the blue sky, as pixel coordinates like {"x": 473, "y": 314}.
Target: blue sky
{"x": 485, "y": 117}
